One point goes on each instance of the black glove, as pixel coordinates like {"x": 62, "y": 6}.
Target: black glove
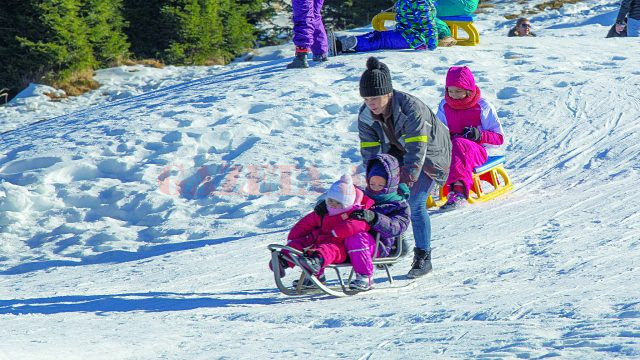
{"x": 472, "y": 133}
{"x": 321, "y": 208}
{"x": 366, "y": 215}
{"x": 409, "y": 175}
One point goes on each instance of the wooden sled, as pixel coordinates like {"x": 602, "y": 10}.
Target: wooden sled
{"x": 455, "y": 23}
{"x": 491, "y": 172}
{"x": 341, "y": 287}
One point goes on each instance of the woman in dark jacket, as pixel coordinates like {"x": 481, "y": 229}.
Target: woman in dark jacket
{"x": 396, "y": 123}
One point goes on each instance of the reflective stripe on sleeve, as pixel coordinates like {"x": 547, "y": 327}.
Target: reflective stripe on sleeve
{"x": 368, "y": 144}
{"x": 421, "y": 138}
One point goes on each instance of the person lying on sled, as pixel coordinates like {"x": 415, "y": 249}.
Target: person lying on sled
{"x": 415, "y": 29}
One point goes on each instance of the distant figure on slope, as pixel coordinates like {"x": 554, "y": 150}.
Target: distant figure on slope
{"x": 473, "y": 123}
{"x": 631, "y": 10}
{"x": 324, "y": 233}
{"x": 415, "y": 29}
{"x": 389, "y": 217}
{"x": 399, "y": 124}
{"x": 522, "y": 28}
{"x": 309, "y": 34}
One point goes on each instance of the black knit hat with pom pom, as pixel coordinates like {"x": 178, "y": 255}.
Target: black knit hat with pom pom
{"x": 376, "y": 80}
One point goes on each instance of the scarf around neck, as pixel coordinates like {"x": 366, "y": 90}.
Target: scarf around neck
{"x": 401, "y": 194}
{"x": 464, "y": 103}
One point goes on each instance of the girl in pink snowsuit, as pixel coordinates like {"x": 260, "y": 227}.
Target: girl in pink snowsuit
{"x": 473, "y": 124}
{"x": 322, "y": 233}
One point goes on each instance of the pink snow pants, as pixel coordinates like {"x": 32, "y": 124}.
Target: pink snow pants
{"x": 465, "y": 156}
{"x": 360, "y": 248}
{"x": 330, "y": 251}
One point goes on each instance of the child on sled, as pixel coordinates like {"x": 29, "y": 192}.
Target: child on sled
{"x": 323, "y": 233}
{"x": 473, "y": 124}
{"x": 389, "y": 216}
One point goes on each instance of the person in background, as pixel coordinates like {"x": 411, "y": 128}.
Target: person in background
{"x": 522, "y": 28}
{"x": 415, "y": 29}
{"x": 629, "y": 9}
{"x": 309, "y": 34}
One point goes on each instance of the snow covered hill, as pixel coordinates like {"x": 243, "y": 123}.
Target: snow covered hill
{"x": 135, "y": 226}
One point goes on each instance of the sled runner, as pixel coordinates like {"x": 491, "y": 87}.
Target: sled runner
{"x": 491, "y": 172}
{"x": 455, "y": 23}
{"x": 339, "y": 288}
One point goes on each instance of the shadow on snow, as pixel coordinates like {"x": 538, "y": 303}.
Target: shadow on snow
{"x": 121, "y": 256}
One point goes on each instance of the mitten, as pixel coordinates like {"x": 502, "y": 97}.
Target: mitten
{"x": 472, "y": 133}
{"x": 370, "y": 217}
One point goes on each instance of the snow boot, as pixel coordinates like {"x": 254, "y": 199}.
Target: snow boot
{"x": 421, "y": 263}
{"x": 320, "y": 58}
{"x": 283, "y": 265}
{"x": 300, "y": 61}
{"x": 455, "y": 200}
{"x": 347, "y": 43}
{"x": 313, "y": 264}
{"x": 361, "y": 283}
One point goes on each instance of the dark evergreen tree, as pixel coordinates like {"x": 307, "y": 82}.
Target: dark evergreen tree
{"x": 106, "y": 30}
{"x": 238, "y": 33}
{"x": 17, "y": 18}
{"x": 346, "y": 14}
{"x": 65, "y": 40}
{"x": 148, "y": 32}
{"x": 192, "y": 32}
{"x": 198, "y": 32}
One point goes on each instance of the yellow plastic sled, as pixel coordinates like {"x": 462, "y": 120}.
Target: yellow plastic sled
{"x": 455, "y": 23}
{"x": 491, "y": 172}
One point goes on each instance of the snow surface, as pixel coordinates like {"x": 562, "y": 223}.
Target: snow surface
{"x": 134, "y": 220}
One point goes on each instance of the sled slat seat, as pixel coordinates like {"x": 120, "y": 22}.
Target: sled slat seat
{"x": 455, "y": 23}
{"x": 491, "y": 172}
{"x": 464, "y": 22}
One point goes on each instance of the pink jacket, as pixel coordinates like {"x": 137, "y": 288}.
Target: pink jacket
{"x": 332, "y": 228}
{"x": 482, "y": 115}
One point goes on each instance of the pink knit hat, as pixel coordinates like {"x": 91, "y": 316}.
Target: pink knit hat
{"x": 461, "y": 76}
{"x": 343, "y": 191}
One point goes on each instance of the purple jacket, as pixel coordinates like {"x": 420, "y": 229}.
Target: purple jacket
{"x": 393, "y": 217}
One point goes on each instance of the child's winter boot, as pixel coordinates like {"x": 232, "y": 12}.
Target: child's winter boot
{"x": 361, "y": 283}
{"x": 283, "y": 265}
{"x": 312, "y": 264}
{"x": 300, "y": 61}
{"x": 320, "y": 58}
{"x": 346, "y": 44}
{"x": 455, "y": 199}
